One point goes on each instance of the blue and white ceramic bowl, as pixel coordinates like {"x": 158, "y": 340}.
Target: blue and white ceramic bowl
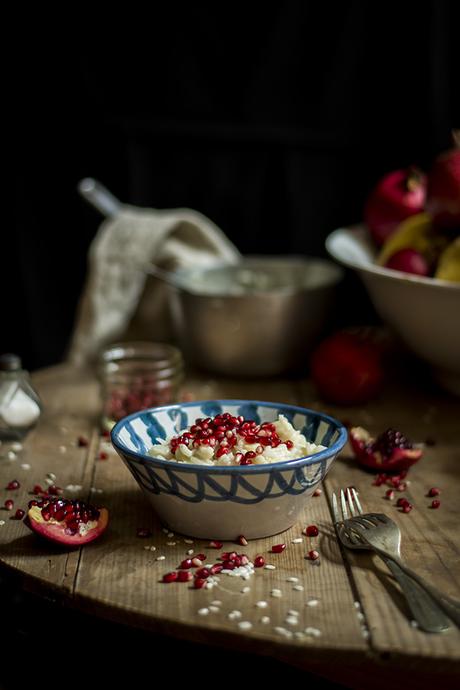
{"x": 221, "y": 502}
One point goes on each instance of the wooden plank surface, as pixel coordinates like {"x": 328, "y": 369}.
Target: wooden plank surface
{"x": 119, "y": 577}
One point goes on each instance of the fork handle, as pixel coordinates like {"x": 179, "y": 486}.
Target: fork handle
{"x": 450, "y": 606}
{"x": 424, "y": 609}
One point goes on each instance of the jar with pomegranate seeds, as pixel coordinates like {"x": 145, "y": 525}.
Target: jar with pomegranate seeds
{"x": 137, "y": 375}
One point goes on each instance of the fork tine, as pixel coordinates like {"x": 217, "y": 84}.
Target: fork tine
{"x": 351, "y": 505}
{"x": 356, "y": 500}
{"x": 344, "y": 505}
{"x": 335, "y": 509}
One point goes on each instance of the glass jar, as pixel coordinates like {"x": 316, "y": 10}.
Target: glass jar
{"x": 20, "y": 406}
{"x": 138, "y": 375}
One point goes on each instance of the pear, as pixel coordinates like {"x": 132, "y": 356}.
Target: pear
{"x": 448, "y": 267}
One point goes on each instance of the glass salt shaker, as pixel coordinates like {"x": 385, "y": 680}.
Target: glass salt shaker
{"x": 20, "y": 406}
{"x": 138, "y": 375}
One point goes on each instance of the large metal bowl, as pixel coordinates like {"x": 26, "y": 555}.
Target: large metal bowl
{"x": 260, "y": 317}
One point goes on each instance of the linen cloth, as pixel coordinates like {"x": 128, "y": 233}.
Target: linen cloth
{"x": 119, "y": 299}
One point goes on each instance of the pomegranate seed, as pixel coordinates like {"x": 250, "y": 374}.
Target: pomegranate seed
{"x": 38, "y": 489}
{"x": 435, "y": 504}
{"x": 402, "y": 486}
{"x": 216, "y": 568}
{"x": 33, "y": 503}
{"x": 9, "y": 504}
{"x": 289, "y": 445}
{"x": 434, "y": 491}
{"x": 313, "y": 555}
{"x": 143, "y": 532}
{"x": 184, "y": 576}
{"x": 103, "y": 455}
{"x": 170, "y": 577}
{"x": 228, "y": 565}
{"x": 407, "y": 507}
{"x": 259, "y": 562}
{"x": 242, "y": 540}
{"x": 19, "y": 514}
{"x": 317, "y": 492}
{"x": 185, "y": 565}
{"x": 13, "y": 484}
{"x": 55, "y": 490}
{"x": 196, "y": 562}
{"x": 390, "y": 494}
{"x": 244, "y": 560}
{"x": 201, "y": 556}
{"x": 203, "y": 573}
{"x": 82, "y": 442}
{"x": 311, "y": 531}
{"x": 199, "y": 583}
{"x": 401, "y": 502}
{"x": 278, "y": 548}
{"x": 237, "y": 561}
{"x": 216, "y": 544}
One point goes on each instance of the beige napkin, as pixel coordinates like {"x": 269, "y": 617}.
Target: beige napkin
{"x": 119, "y": 299}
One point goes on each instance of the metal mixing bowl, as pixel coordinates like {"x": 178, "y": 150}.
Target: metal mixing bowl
{"x": 260, "y": 317}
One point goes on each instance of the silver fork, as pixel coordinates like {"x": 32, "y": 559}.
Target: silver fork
{"x": 378, "y": 532}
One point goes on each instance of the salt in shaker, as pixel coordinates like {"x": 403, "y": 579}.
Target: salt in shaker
{"x": 20, "y": 406}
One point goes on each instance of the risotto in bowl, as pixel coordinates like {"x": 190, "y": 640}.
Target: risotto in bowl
{"x": 216, "y": 469}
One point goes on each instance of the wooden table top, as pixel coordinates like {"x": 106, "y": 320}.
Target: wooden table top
{"x": 351, "y": 620}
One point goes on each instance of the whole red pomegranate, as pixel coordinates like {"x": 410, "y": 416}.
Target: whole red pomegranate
{"x": 398, "y": 195}
{"x": 65, "y": 521}
{"x": 443, "y": 194}
{"x": 346, "y": 369}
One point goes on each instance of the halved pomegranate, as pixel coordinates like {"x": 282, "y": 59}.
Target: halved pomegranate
{"x": 389, "y": 452}
{"x": 70, "y": 522}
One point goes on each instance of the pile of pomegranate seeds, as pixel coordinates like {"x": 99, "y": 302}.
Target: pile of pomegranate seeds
{"x": 73, "y": 513}
{"x": 222, "y": 433}
{"x": 393, "y": 480}
{"x": 147, "y": 393}
{"x": 232, "y": 563}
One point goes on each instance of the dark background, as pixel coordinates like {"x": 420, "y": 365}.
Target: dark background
{"x": 273, "y": 119}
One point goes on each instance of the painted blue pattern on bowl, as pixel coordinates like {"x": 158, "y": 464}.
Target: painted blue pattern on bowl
{"x": 134, "y": 435}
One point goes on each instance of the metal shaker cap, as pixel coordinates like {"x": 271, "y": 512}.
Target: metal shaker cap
{"x": 10, "y": 362}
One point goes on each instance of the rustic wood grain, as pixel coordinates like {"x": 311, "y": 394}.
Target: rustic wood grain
{"x": 430, "y": 542}
{"x": 119, "y": 578}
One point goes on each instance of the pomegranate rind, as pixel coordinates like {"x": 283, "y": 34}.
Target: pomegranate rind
{"x": 55, "y": 531}
{"x": 400, "y": 459}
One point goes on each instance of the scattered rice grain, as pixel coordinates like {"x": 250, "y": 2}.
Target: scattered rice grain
{"x": 261, "y": 604}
